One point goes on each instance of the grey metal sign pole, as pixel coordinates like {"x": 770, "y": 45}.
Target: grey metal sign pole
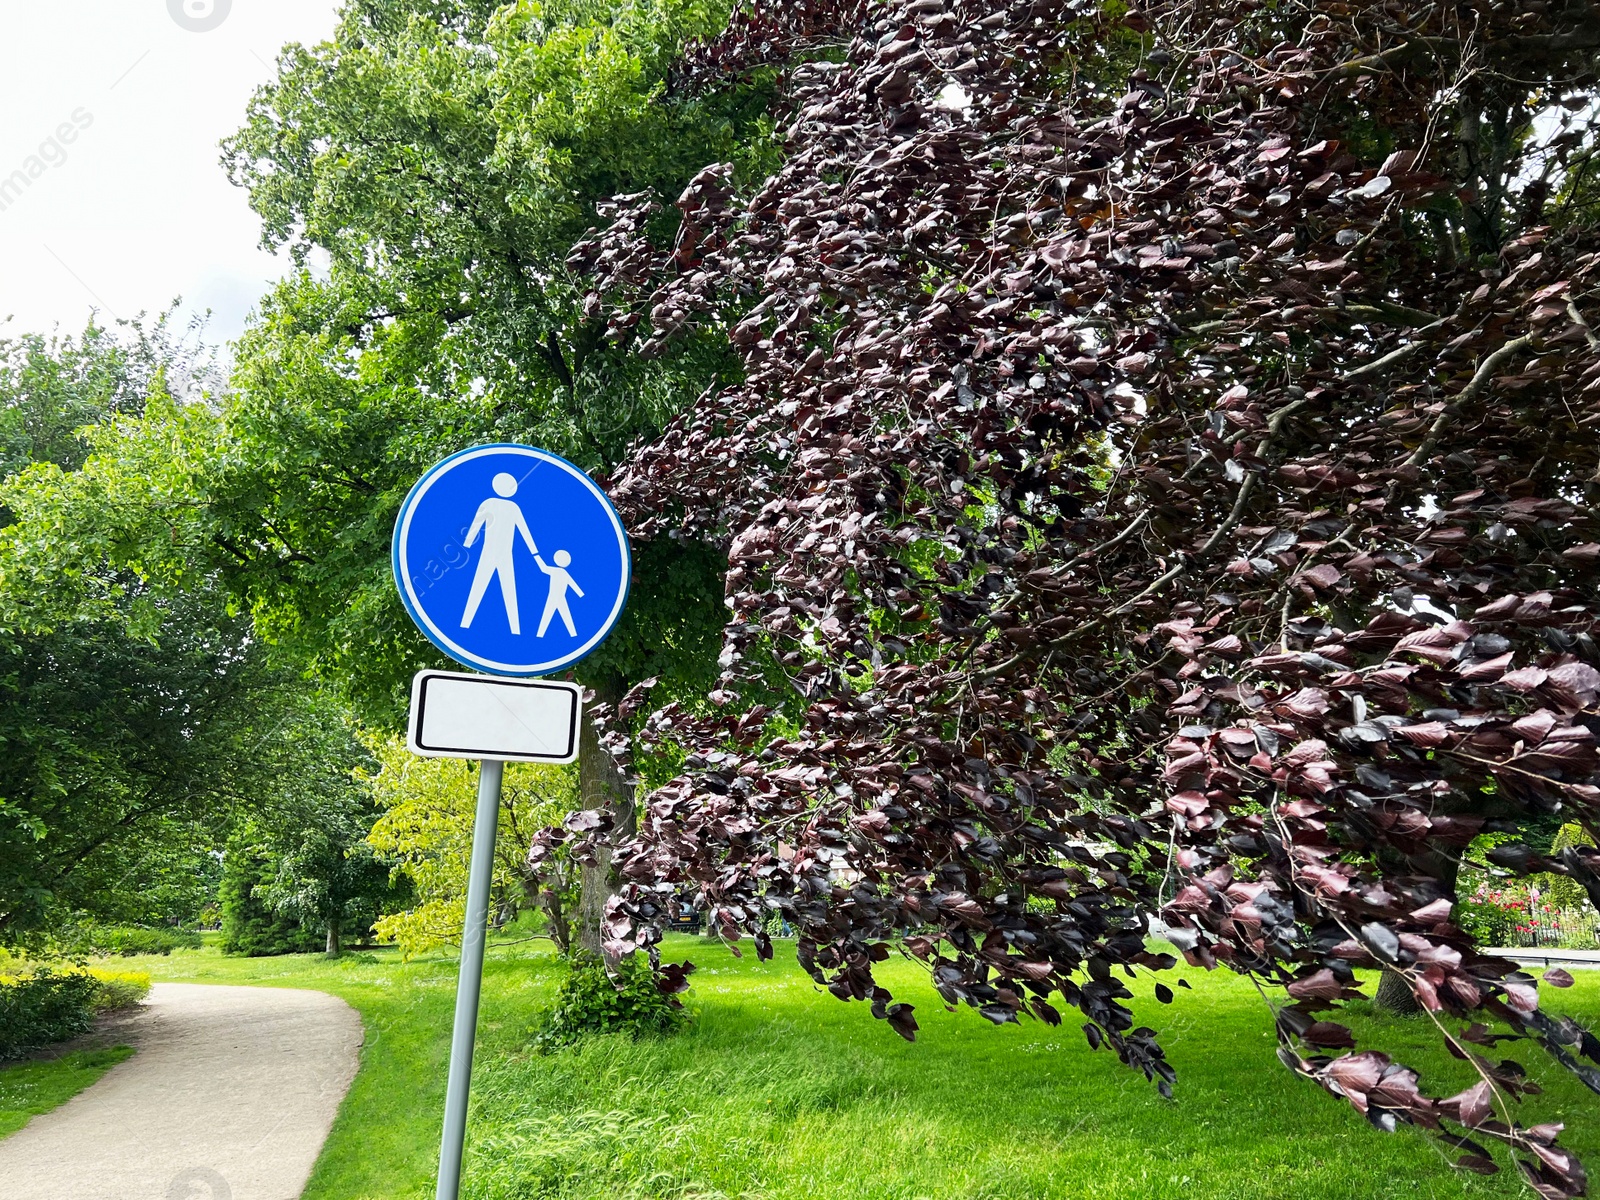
{"x": 484, "y": 829}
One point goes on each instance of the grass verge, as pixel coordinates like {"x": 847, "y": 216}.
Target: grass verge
{"x": 30, "y": 1089}
{"x": 780, "y": 1092}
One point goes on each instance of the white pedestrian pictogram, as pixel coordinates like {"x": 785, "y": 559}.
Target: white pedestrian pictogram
{"x": 560, "y": 581}
{"x": 500, "y": 520}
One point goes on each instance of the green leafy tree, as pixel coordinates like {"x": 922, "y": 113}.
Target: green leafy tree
{"x": 135, "y": 718}
{"x": 426, "y": 830}
{"x": 331, "y": 879}
{"x": 445, "y": 158}
{"x": 318, "y": 871}
{"x": 250, "y": 925}
{"x": 119, "y": 750}
{"x": 52, "y": 388}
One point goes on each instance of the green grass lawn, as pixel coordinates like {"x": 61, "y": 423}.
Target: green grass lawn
{"x": 31, "y": 1088}
{"x": 780, "y": 1092}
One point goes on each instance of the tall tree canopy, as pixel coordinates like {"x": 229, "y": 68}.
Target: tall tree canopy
{"x": 1168, "y": 451}
{"x": 438, "y": 160}
{"x": 133, "y": 720}
{"x": 52, "y": 388}
{"x": 444, "y": 158}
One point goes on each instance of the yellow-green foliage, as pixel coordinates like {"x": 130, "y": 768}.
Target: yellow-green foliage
{"x": 427, "y": 828}
{"x": 120, "y": 989}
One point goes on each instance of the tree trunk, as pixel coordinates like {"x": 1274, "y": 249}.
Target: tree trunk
{"x": 333, "y": 937}
{"x": 542, "y": 889}
{"x": 1395, "y": 996}
{"x": 560, "y": 927}
{"x": 599, "y": 784}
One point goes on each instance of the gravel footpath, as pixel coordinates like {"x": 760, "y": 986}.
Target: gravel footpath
{"x": 230, "y": 1097}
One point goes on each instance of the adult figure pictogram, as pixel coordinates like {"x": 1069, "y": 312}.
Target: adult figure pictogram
{"x": 500, "y": 519}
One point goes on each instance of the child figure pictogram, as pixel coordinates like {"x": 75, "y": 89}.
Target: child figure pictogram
{"x": 560, "y": 582}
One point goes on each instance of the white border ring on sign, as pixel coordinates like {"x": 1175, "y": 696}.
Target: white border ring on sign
{"x": 434, "y": 634}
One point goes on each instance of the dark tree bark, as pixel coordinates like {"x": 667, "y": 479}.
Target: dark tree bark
{"x": 600, "y": 784}
{"x": 1395, "y": 996}
{"x": 333, "y": 949}
{"x": 555, "y": 912}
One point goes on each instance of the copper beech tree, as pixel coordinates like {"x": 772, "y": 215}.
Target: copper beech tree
{"x": 1161, "y": 485}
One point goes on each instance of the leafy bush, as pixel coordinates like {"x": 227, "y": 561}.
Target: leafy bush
{"x": 592, "y": 1001}
{"x": 1527, "y": 914}
{"x": 1484, "y": 922}
{"x": 44, "y": 1006}
{"x": 128, "y": 940}
{"x": 249, "y": 925}
{"x": 120, "y": 989}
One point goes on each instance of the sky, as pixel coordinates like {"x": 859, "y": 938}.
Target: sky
{"x": 112, "y": 110}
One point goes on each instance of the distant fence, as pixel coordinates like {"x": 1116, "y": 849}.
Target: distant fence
{"x": 1577, "y": 931}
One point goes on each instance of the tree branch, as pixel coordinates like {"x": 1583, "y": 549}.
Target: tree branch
{"x": 550, "y": 352}
{"x": 1480, "y": 380}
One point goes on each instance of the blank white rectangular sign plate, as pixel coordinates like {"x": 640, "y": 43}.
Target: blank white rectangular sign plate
{"x": 477, "y": 716}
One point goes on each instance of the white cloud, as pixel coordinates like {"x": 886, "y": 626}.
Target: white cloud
{"x": 134, "y": 210}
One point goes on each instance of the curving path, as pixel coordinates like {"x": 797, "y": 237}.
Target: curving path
{"x": 230, "y": 1097}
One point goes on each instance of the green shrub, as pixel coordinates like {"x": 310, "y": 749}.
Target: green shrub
{"x": 128, "y": 940}
{"x": 592, "y": 1001}
{"x": 249, "y": 925}
{"x": 43, "y": 1007}
{"x": 120, "y": 989}
{"x": 1485, "y": 923}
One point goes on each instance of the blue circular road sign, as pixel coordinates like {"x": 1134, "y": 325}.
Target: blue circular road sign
{"x": 511, "y": 560}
